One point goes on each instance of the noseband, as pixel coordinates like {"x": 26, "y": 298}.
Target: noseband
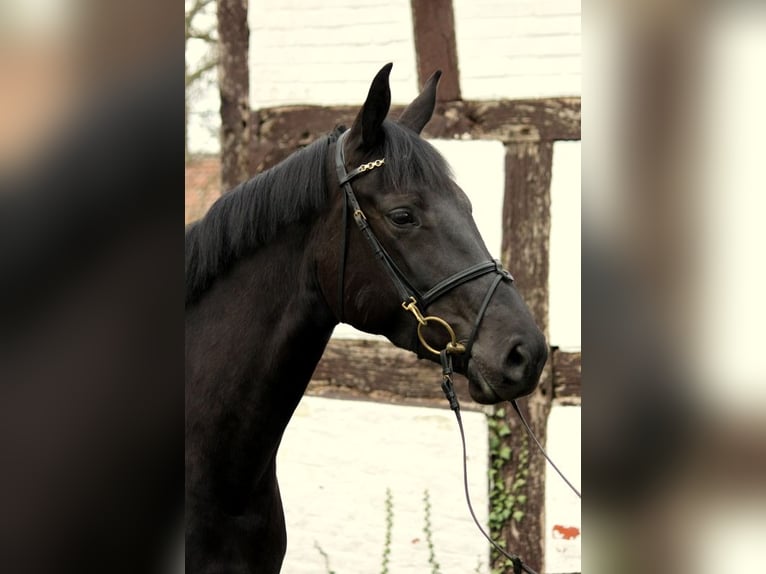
{"x": 412, "y": 299}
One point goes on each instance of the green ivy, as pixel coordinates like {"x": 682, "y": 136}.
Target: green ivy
{"x": 506, "y": 495}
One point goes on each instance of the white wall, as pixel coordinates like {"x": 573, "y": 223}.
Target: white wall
{"x": 564, "y": 275}
{"x": 311, "y": 52}
{"x": 327, "y": 52}
{"x": 518, "y": 48}
{"x": 563, "y": 524}
{"x": 338, "y": 458}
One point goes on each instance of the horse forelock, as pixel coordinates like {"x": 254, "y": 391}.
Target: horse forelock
{"x": 411, "y": 160}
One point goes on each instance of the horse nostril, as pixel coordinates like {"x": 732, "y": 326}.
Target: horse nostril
{"x": 516, "y": 358}
{"x": 525, "y": 361}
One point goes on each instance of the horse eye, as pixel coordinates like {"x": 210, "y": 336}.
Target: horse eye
{"x": 402, "y": 217}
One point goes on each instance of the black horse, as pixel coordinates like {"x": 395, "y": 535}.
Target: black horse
{"x": 274, "y": 266}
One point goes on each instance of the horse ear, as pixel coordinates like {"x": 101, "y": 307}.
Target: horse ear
{"x": 419, "y": 112}
{"x": 366, "y": 131}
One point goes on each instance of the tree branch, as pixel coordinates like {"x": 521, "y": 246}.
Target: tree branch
{"x": 196, "y": 8}
{"x": 196, "y": 74}
{"x": 208, "y": 36}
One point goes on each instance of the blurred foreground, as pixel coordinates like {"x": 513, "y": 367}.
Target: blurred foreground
{"x": 674, "y": 197}
{"x": 91, "y": 283}
{"x": 91, "y": 277}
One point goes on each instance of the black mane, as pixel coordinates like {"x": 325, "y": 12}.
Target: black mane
{"x": 253, "y": 212}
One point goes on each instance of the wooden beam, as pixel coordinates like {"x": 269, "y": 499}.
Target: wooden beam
{"x": 234, "y": 86}
{"x": 527, "y": 222}
{"x": 279, "y": 131}
{"x": 548, "y": 119}
{"x": 433, "y": 22}
{"x": 378, "y": 371}
{"x": 525, "y": 251}
{"x": 567, "y": 377}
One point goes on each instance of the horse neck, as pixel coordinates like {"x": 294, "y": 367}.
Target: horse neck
{"x": 253, "y": 342}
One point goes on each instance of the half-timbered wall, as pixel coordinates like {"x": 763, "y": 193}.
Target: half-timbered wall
{"x": 508, "y": 121}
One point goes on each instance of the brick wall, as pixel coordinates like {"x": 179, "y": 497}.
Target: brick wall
{"x": 202, "y": 185}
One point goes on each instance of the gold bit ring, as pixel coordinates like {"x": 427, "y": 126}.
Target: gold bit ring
{"x": 453, "y": 347}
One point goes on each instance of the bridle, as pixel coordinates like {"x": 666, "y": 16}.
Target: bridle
{"x": 412, "y": 300}
{"x": 415, "y": 302}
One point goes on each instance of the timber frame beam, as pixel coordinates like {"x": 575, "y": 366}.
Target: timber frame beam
{"x": 377, "y": 371}
{"x": 280, "y": 131}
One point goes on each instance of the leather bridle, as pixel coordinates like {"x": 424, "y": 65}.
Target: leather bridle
{"x": 412, "y": 300}
{"x": 415, "y": 302}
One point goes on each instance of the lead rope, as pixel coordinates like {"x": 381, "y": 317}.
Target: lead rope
{"x": 542, "y": 450}
{"x": 449, "y": 392}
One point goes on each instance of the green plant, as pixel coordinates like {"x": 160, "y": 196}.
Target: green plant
{"x": 429, "y": 533}
{"x": 427, "y": 529}
{"x": 389, "y": 527}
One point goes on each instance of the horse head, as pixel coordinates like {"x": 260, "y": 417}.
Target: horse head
{"x": 425, "y": 279}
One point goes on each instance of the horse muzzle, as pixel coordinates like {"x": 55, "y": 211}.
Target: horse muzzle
{"x": 517, "y": 375}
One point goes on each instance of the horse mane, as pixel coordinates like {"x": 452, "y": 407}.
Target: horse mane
{"x": 251, "y": 214}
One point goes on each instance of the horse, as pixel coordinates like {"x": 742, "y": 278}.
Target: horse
{"x": 275, "y": 265}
